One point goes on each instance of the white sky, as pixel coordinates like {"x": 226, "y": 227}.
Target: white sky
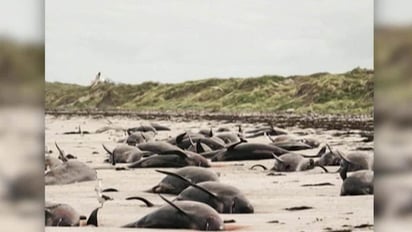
{"x": 22, "y": 20}
{"x": 393, "y": 12}
{"x": 177, "y": 40}
{"x": 174, "y": 41}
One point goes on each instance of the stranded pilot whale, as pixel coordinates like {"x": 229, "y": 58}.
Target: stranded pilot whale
{"x": 358, "y": 183}
{"x": 271, "y": 130}
{"x": 139, "y": 137}
{"x": 289, "y": 143}
{"x": 173, "y": 185}
{"x": 291, "y": 162}
{"x": 157, "y": 146}
{"x": 65, "y": 215}
{"x": 70, "y": 171}
{"x": 159, "y": 127}
{"x": 181, "y": 215}
{"x": 173, "y": 158}
{"x": 124, "y": 153}
{"x": 142, "y": 128}
{"x": 248, "y": 151}
{"x": 183, "y": 141}
{"x": 222, "y": 197}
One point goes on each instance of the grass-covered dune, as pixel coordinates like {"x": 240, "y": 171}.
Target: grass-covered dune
{"x": 21, "y": 72}
{"x": 347, "y": 93}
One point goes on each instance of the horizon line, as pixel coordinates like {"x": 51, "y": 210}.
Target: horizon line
{"x": 208, "y": 78}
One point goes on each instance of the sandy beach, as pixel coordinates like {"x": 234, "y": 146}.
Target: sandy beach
{"x": 270, "y": 195}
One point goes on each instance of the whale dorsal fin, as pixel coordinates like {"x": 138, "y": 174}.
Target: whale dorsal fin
{"x": 174, "y": 206}
{"x": 199, "y": 148}
{"x": 277, "y": 159}
{"x": 189, "y": 182}
{"x": 147, "y": 202}
{"x": 144, "y": 137}
{"x": 323, "y": 150}
{"x": 338, "y": 153}
{"x": 342, "y": 156}
{"x": 190, "y": 140}
{"x": 110, "y": 153}
{"x": 61, "y": 153}
{"x": 93, "y": 217}
{"x": 268, "y": 137}
{"x": 180, "y": 137}
{"x": 233, "y": 145}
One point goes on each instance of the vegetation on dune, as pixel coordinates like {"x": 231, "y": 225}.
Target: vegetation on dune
{"x": 347, "y": 93}
{"x": 393, "y": 56}
{"x": 21, "y": 72}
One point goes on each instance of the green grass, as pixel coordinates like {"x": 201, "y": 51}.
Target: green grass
{"x": 346, "y": 93}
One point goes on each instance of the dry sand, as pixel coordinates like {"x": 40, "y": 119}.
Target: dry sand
{"x": 270, "y": 195}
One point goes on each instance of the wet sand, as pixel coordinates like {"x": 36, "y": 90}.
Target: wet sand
{"x": 270, "y": 195}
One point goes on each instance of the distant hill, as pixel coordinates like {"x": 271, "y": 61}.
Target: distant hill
{"x": 348, "y": 93}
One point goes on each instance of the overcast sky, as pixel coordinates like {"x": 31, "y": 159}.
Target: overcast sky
{"x": 393, "y": 12}
{"x": 22, "y": 20}
{"x": 173, "y": 41}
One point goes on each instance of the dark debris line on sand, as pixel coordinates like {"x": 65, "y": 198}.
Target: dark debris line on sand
{"x": 298, "y": 208}
{"x": 319, "y": 184}
{"x": 366, "y": 225}
{"x": 273, "y": 221}
{"x": 362, "y": 226}
{"x": 337, "y": 230}
{"x": 330, "y": 122}
{"x": 276, "y": 174}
